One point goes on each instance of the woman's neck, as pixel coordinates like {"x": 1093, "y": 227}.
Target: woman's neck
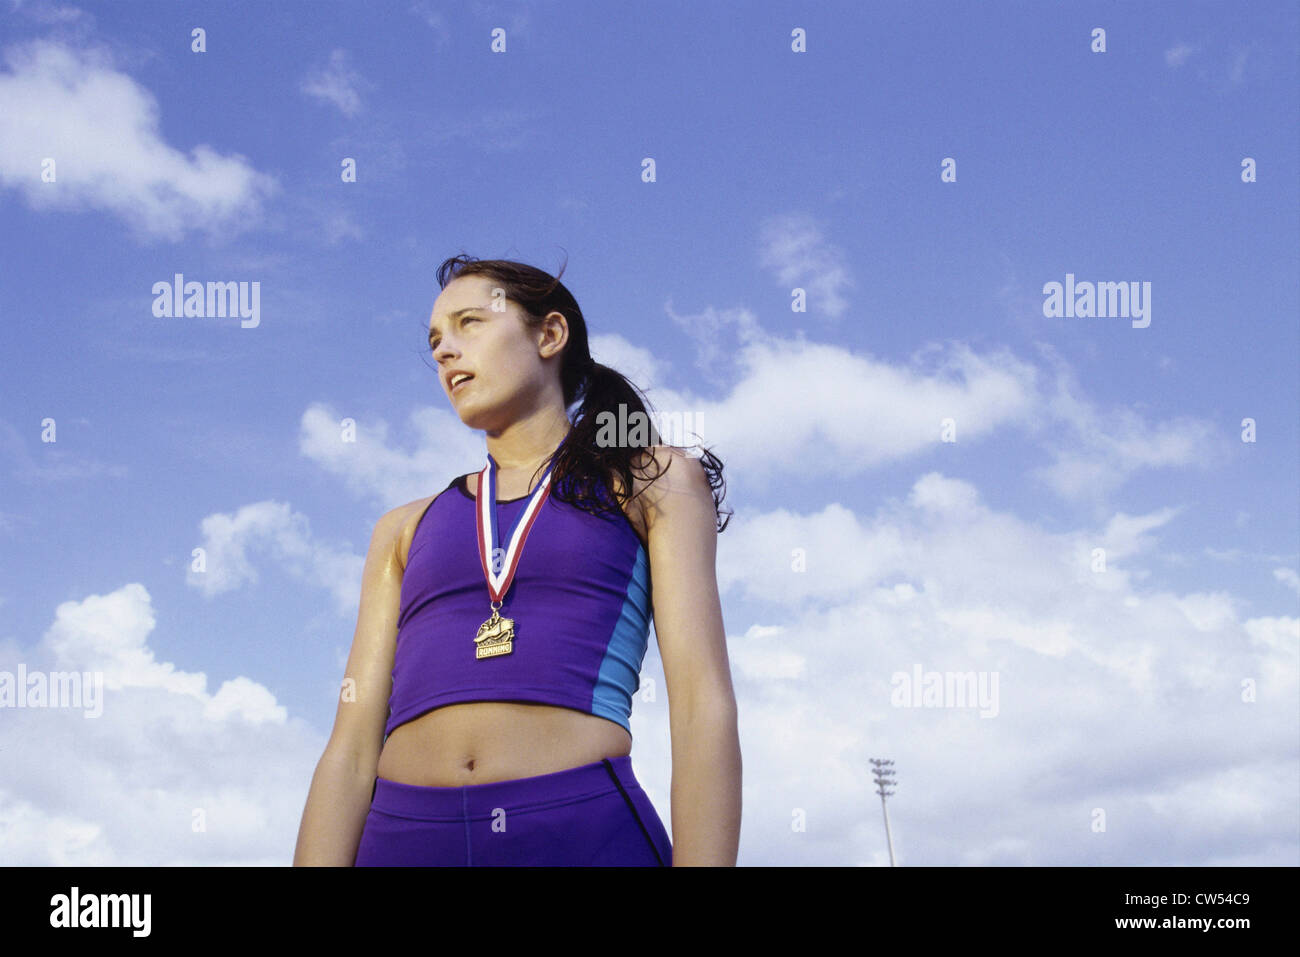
{"x": 523, "y": 445}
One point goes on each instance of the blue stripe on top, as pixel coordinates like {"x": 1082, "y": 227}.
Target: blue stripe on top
{"x": 620, "y": 670}
{"x": 580, "y": 601}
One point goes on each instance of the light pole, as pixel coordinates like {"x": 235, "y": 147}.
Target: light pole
{"x": 884, "y": 776}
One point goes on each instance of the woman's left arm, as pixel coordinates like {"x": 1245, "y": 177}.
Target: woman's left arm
{"x": 682, "y": 533}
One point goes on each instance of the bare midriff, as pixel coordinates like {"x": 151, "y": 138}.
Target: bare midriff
{"x": 480, "y": 741}
{"x": 476, "y": 742}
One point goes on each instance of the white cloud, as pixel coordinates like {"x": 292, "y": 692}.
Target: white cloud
{"x": 123, "y": 788}
{"x": 761, "y": 655}
{"x": 435, "y": 20}
{"x": 1095, "y": 450}
{"x": 336, "y": 83}
{"x": 1288, "y": 577}
{"x": 1124, "y": 535}
{"x": 42, "y": 11}
{"x": 794, "y": 248}
{"x": 368, "y": 466}
{"x": 849, "y": 413}
{"x": 715, "y": 334}
{"x": 338, "y": 225}
{"x": 1111, "y": 696}
{"x": 284, "y": 536}
{"x": 1177, "y": 54}
{"x": 944, "y": 496}
{"x": 101, "y": 128}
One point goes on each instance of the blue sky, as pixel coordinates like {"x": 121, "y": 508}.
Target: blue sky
{"x": 1120, "y": 690}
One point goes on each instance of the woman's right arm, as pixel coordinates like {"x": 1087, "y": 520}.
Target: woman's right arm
{"x": 339, "y": 798}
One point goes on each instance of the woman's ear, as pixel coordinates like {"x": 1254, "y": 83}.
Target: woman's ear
{"x": 554, "y": 334}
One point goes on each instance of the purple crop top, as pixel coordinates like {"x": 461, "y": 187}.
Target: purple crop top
{"x": 580, "y": 600}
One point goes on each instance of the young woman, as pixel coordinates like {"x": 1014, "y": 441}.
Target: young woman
{"x": 503, "y": 621}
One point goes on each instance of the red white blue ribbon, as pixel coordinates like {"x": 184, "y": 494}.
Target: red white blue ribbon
{"x": 499, "y": 579}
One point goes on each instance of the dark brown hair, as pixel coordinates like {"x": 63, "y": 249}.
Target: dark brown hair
{"x": 582, "y": 466}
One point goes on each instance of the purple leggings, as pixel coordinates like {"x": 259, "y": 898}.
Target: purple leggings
{"x": 593, "y": 815}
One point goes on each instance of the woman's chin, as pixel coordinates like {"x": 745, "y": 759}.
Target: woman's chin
{"x": 469, "y": 416}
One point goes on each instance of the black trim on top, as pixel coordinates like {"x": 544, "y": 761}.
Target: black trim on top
{"x": 462, "y": 482}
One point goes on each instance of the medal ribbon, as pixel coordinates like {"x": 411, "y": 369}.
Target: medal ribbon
{"x": 486, "y": 523}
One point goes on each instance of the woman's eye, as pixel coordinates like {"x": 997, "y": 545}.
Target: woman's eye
{"x": 433, "y": 344}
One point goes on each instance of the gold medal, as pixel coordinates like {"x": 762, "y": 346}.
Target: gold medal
{"x": 494, "y": 635}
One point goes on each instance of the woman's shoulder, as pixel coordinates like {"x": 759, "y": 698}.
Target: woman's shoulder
{"x": 668, "y": 468}
{"x": 658, "y": 471}
{"x": 403, "y": 520}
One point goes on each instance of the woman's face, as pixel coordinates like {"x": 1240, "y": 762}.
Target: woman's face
{"x": 496, "y": 347}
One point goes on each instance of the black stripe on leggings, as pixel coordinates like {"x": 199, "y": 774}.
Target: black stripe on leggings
{"x": 610, "y": 768}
